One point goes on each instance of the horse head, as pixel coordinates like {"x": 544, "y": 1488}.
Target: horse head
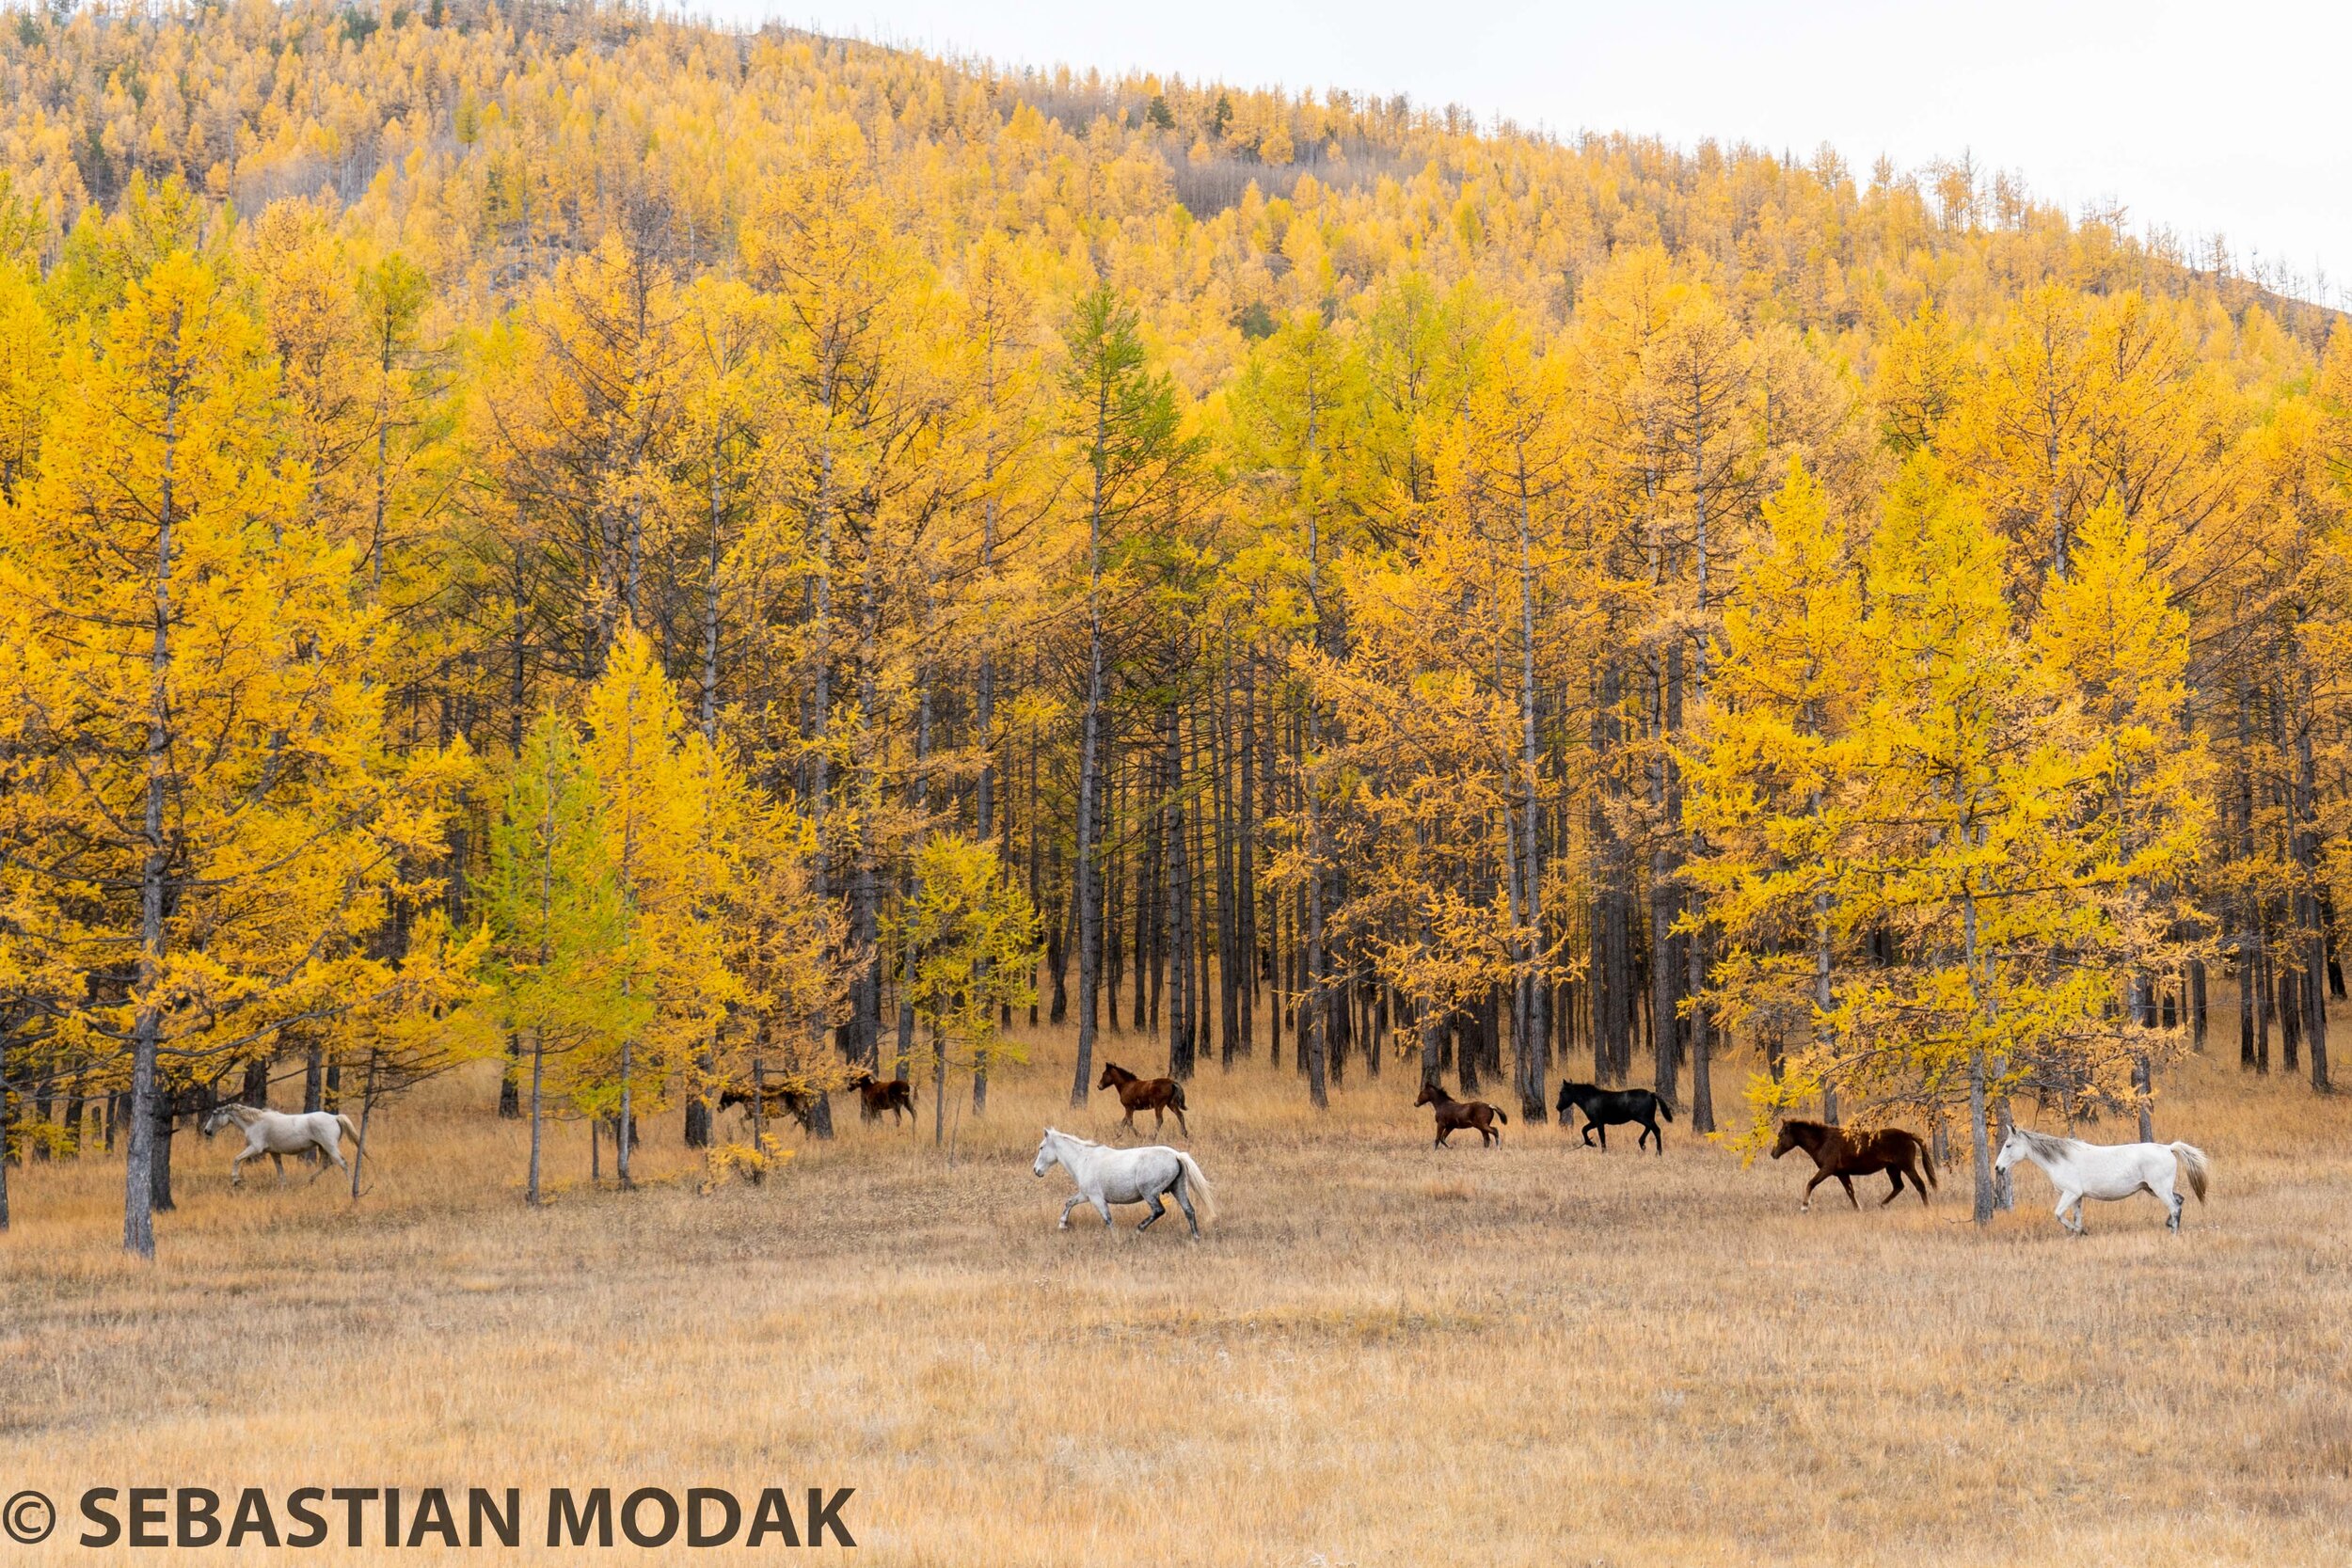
{"x": 2013, "y": 1148}
{"x": 1113, "y": 1074}
{"x": 218, "y": 1117}
{"x": 1791, "y": 1137}
{"x": 1571, "y": 1094}
{"x": 1047, "y": 1155}
{"x": 1431, "y": 1094}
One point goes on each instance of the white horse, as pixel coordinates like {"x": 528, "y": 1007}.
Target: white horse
{"x": 2107, "y": 1171}
{"x": 278, "y": 1134}
{"x": 1106, "y": 1175}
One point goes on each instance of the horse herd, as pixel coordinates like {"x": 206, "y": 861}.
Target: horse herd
{"x": 1105, "y": 1175}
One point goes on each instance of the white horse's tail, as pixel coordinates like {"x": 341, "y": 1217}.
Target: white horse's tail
{"x": 1198, "y": 1184}
{"x": 2192, "y": 1161}
{"x": 344, "y": 1123}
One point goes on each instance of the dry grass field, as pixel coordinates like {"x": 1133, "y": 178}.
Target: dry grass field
{"x": 1382, "y": 1355}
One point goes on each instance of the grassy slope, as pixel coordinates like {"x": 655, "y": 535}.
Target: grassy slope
{"x": 1383, "y": 1354}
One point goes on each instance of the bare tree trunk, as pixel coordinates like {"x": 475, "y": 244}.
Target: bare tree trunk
{"x": 984, "y": 789}
{"x": 1979, "y": 1149}
{"x": 145, "y": 1163}
{"x": 359, "y": 1143}
{"x": 8, "y": 1125}
{"x": 1177, "y": 924}
{"x": 1089, "y": 793}
{"x": 2252, "y": 1036}
{"x": 2313, "y": 929}
{"x": 1231, "y": 1042}
{"x": 1245, "y": 946}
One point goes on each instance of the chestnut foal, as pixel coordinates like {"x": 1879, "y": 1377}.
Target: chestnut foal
{"x": 1158, "y": 1096}
{"x": 1454, "y": 1115}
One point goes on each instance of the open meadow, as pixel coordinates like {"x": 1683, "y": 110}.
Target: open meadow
{"x": 1382, "y": 1353}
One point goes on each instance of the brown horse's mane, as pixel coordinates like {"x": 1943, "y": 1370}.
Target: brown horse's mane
{"x": 1851, "y": 1134}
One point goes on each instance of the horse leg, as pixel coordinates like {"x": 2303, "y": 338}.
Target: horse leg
{"x": 1159, "y": 1213}
{"x": 1895, "y": 1174}
{"x": 1183, "y": 1201}
{"x": 332, "y": 1151}
{"x": 1819, "y": 1176}
{"x": 2067, "y": 1200}
{"x": 1159, "y": 1124}
{"x": 1604, "y": 1134}
{"x": 2172, "y": 1202}
{"x": 1075, "y": 1199}
{"x": 1914, "y": 1172}
{"x": 1441, "y": 1135}
{"x": 279, "y": 1161}
{"x": 236, "y": 1166}
{"x": 1103, "y": 1207}
{"x": 1846, "y": 1181}
{"x": 1181, "y": 1125}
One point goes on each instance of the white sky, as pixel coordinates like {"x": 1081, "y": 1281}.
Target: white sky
{"x": 2217, "y": 117}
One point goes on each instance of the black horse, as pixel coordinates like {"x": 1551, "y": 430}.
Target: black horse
{"x": 1603, "y": 1108}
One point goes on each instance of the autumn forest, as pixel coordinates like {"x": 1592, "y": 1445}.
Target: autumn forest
{"x": 693, "y": 563}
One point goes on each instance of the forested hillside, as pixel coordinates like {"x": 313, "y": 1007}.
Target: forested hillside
{"x": 697, "y": 559}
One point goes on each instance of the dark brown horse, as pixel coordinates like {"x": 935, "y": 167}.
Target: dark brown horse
{"x": 1845, "y": 1155}
{"x": 1454, "y": 1115}
{"x": 877, "y": 1095}
{"x": 1158, "y": 1096}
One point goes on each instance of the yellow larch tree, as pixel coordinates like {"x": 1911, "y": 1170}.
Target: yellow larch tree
{"x": 202, "y": 763}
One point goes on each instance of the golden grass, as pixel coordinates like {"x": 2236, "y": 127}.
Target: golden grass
{"x": 1383, "y": 1354}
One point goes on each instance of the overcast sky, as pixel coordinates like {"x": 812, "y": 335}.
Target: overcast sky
{"x": 2228, "y": 118}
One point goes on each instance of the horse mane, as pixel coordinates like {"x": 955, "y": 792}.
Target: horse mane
{"x": 1808, "y": 1125}
{"x": 1073, "y": 1138}
{"x": 2046, "y": 1142}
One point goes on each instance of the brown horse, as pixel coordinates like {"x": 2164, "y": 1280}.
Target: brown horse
{"x": 1845, "y": 1155}
{"x": 876, "y": 1094}
{"x": 1158, "y": 1096}
{"x": 1454, "y": 1115}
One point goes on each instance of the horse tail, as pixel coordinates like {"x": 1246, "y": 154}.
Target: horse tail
{"x": 1501, "y": 1117}
{"x": 2192, "y": 1161}
{"x": 344, "y": 1123}
{"x": 1194, "y": 1178}
{"x": 1177, "y": 1098}
{"x": 1664, "y": 1108}
{"x": 1927, "y": 1159}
